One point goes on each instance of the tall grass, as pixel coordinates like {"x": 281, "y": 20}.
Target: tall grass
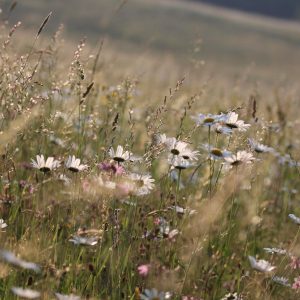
{"x": 94, "y": 231}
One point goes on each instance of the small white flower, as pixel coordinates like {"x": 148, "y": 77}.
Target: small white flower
{"x": 57, "y": 141}
{"x": 281, "y": 280}
{"x": 187, "y": 153}
{"x": 66, "y": 297}
{"x": 259, "y": 148}
{"x": 275, "y": 250}
{"x": 86, "y": 241}
{"x": 173, "y": 233}
{"x": 144, "y": 183}
{"x": 182, "y": 149}
{"x": 178, "y": 162}
{"x": 73, "y": 164}
{"x": 119, "y": 155}
{"x": 282, "y": 159}
{"x": 175, "y": 146}
{"x": 292, "y": 191}
{"x": 153, "y": 294}
{"x": 231, "y": 296}
{"x": 65, "y": 179}
{"x": 45, "y": 166}
{"x": 206, "y": 120}
{"x": 241, "y": 157}
{"x": 221, "y": 129}
{"x": 164, "y": 228}
{"x": 25, "y": 293}
{"x": 286, "y": 160}
{"x": 10, "y": 258}
{"x": 260, "y": 265}
{"x": 294, "y": 219}
{"x": 161, "y": 139}
{"x": 2, "y": 224}
{"x": 232, "y": 122}
{"x": 181, "y": 210}
{"x": 135, "y": 158}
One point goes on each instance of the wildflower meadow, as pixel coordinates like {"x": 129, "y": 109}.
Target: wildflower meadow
{"x": 115, "y": 186}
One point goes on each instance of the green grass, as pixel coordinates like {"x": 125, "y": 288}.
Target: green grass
{"x": 135, "y": 97}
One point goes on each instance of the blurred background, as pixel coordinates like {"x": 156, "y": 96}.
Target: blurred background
{"x": 259, "y": 39}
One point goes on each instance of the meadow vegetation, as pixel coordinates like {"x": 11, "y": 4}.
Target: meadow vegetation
{"x": 140, "y": 176}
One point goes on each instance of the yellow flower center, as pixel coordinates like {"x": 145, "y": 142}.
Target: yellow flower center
{"x": 208, "y": 120}
{"x": 216, "y": 152}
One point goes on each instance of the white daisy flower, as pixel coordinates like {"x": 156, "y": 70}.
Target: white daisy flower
{"x": 286, "y": 160}
{"x": 259, "y": 148}
{"x": 10, "y": 258}
{"x": 232, "y": 296}
{"x": 153, "y": 294}
{"x": 119, "y": 155}
{"x": 216, "y": 153}
{"x": 86, "y": 241}
{"x": 220, "y": 129}
{"x": 187, "y": 153}
{"x": 66, "y": 297}
{"x": 45, "y": 166}
{"x": 2, "y": 224}
{"x": 206, "y": 120}
{"x": 26, "y": 293}
{"x": 160, "y": 138}
{"x": 241, "y": 157}
{"x": 175, "y": 146}
{"x": 292, "y": 191}
{"x": 282, "y": 159}
{"x": 164, "y": 227}
{"x": 281, "y": 280}
{"x": 178, "y": 162}
{"x": 181, "y": 210}
{"x": 231, "y": 121}
{"x": 135, "y": 158}
{"x": 144, "y": 183}
{"x": 65, "y": 179}
{"x": 294, "y": 219}
{"x": 261, "y": 265}
{"x": 57, "y": 141}
{"x": 73, "y": 164}
{"x": 275, "y": 250}
{"x": 173, "y": 233}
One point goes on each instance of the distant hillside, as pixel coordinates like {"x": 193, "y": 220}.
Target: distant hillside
{"x": 286, "y": 9}
{"x": 192, "y": 33}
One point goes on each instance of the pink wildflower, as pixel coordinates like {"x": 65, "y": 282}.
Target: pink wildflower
{"x": 295, "y": 262}
{"x": 116, "y": 169}
{"x": 143, "y": 270}
{"x": 31, "y": 189}
{"x": 22, "y": 183}
{"x": 85, "y": 185}
{"x": 296, "y": 284}
{"x": 125, "y": 188}
{"x": 157, "y": 221}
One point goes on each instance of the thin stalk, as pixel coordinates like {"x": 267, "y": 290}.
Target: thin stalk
{"x": 210, "y": 163}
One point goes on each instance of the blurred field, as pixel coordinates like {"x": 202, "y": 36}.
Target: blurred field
{"x": 227, "y": 41}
